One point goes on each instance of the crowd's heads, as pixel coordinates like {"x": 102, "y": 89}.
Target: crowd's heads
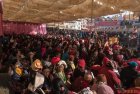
{"x": 82, "y": 63}
{"x": 88, "y": 77}
{"x": 69, "y": 73}
{"x": 36, "y": 65}
{"x": 62, "y": 62}
{"x": 108, "y": 63}
{"x": 101, "y": 78}
{"x": 117, "y": 47}
{"x": 105, "y": 61}
{"x": 55, "y": 60}
{"x": 19, "y": 71}
{"x": 120, "y": 57}
{"x": 31, "y": 54}
{"x": 108, "y": 53}
{"x": 46, "y": 71}
{"x": 133, "y": 64}
{"x": 61, "y": 66}
{"x": 71, "y": 57}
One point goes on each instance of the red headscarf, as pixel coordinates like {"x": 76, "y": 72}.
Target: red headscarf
{"x": 55, "y": 60}
{"x": 82, "y": 63}
{"x": 105, "y": 61}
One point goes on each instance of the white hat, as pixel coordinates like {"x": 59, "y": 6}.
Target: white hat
{"x": 62, "y": 62}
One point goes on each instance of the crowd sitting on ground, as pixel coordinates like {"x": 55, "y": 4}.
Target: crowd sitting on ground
{"x": 68, "y": 63}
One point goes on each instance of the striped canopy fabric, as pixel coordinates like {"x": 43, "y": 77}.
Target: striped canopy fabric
{"x": 46, "y": 11}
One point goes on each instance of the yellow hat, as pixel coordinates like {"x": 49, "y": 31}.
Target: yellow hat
{"x": 19, "y": 71}
{"x": 36, "y": 65}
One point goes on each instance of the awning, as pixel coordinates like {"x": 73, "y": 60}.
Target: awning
{"x": 45, "y": 11}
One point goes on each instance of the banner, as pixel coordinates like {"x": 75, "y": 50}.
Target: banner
{"x": 23, "y": 28}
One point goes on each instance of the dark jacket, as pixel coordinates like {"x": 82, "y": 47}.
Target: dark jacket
{"x": 57, "y": 84}
{"x": 77, "y": 73}
{"x": 128, "y": 75}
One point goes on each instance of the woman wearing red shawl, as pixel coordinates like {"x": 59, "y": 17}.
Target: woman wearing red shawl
{"x": 112, "y": 79}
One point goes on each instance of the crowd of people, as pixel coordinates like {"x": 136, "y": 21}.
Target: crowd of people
{"x": 69, "y": 63}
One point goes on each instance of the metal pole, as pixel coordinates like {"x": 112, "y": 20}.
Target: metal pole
{"x": 91, "y": 15}
{"x": 58, "y": 19}
{"x": 129, "y": 16}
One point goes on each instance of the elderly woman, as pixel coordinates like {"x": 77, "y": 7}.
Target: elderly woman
{"x": 60, "y": 73}
{"x": 47, "y": 86}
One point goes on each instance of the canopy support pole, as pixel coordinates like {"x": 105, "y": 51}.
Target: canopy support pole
{"x": 58, "y": 19}
{"x": 1, "y": 21}
{"x": 91, "y": 16}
